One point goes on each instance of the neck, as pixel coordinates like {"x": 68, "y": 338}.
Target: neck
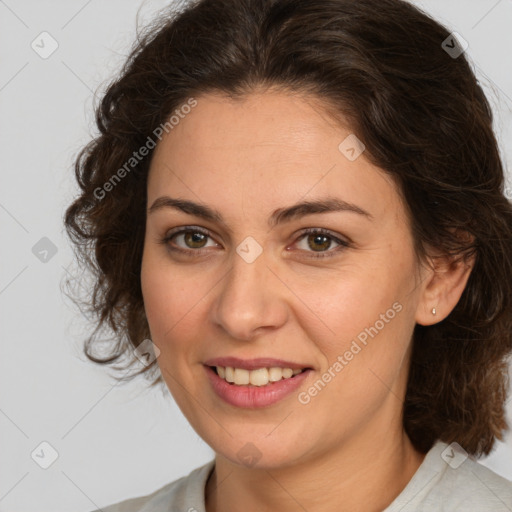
{"x": 361, "y": 475}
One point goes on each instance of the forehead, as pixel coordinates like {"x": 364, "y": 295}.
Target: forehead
{"x": 275, "y": 146}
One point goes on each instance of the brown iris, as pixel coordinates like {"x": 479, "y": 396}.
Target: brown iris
{"x": 324, "y": 240}
{"x": 193, "y": 237}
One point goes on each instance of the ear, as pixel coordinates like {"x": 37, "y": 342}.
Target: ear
{"x": 443, "y": 286}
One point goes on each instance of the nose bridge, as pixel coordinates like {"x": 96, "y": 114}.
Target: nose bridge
{"x": 248, "y": 298}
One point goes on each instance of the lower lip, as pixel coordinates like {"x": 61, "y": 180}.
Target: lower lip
{"x": 253, "y": 397}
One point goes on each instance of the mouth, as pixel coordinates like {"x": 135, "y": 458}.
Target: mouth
{"x": 258, "y": 377}
{"x": 257, "y": 385}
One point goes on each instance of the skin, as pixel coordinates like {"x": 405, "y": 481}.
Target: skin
{"x": 346, "y": 449}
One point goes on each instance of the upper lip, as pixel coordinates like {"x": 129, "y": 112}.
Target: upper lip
{"x": 254, "y": 364}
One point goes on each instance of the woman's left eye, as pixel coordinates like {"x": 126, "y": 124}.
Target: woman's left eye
{"x": 320, "y": 239}
{"x": 317, "y": 240}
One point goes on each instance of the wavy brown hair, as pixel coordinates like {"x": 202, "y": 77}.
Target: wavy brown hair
{"x": 380, "y": 65}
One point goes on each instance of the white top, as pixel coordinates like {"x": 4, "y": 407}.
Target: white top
{"x": 446, "y": 481}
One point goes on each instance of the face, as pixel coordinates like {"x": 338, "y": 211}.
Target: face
{"x": 332, "y": 291}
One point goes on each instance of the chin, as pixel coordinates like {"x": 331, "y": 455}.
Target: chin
{"x": 259, "y": 450}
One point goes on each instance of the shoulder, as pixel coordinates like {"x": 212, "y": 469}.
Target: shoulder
{"x": 185, "y": 493}
{"x": 473, "y": 486}
{"x": 449, "y": 480}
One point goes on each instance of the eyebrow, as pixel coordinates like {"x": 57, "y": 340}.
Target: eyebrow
{"x": 279, "y": 216}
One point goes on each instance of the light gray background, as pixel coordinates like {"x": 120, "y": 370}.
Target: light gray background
{"x": 113, "y": 441}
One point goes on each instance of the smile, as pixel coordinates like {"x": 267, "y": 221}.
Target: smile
{"x": 258, "y": 377}
{"x": 252, "y": 389}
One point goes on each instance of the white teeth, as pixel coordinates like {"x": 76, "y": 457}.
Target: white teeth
{"x": 241, "y": 377}
{"x": 259, "y": 377}
{"x": 275, "y": 374}
{"x": 287, "y": 373}
{"x": 230, "y": 374}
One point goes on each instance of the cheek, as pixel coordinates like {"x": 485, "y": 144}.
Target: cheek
{"x": 362, "y": 328}
{"x": 166, "y": 297}
{"x": 175, "y": 301}
{"x": 339, "y": 308}
{"x": 167, "y": 301}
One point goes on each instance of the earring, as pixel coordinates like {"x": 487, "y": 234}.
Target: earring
{"x": 433, "y": 311}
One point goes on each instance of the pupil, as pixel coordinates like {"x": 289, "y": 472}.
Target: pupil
{"x": 318, "y": 240}
{"x": 194, "y": 238}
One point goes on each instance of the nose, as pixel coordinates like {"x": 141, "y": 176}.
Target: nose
{"x": 250, "y": 299}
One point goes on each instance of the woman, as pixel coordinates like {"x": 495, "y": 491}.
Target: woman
{"x": 297, "y": 217}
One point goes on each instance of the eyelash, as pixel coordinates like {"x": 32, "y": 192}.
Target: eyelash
{"x": 310, "y": 231}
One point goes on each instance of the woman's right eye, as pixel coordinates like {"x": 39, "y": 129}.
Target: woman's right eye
{"x": 187, "y": 240}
